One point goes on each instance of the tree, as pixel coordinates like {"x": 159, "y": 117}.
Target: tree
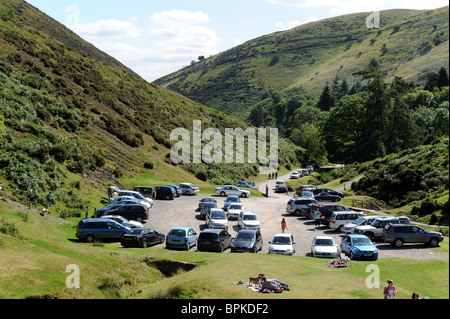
{"x": 326, "y": 100}
{"x": 442, "y": 78}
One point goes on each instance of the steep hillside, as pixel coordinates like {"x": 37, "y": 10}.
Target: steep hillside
{"x": 408, "y": 44}
{"x": 68, "y": 110}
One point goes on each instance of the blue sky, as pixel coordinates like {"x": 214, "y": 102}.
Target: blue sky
{"x": 155, "y": 38}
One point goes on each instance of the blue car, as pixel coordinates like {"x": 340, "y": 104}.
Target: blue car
{"x": 181, "y": 237}
{"x": 359, "y": 247}
{"x": 231, "y": 199}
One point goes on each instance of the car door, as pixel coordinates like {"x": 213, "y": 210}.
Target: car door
{"x": 345, "y": 244}
{"x": 418, "y": 235}
{"x": 150, "y": 236}
{"x": 192, "y": 237}
{"x": 114, "y": 230}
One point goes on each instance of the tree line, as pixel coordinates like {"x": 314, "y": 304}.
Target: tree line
{"x": 371, "y": 119}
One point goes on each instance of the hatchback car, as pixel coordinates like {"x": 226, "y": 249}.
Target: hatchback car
{"x": 248, "y": 220}
{"x": 137, "y": 195}
{"x": 359, "y": 247}
{"x": 214, "y": 240}
{"x": 165, "y": 192}
{"x": 247, "y": 240}
{"x": 324, "y": 246}
{"x": 129, "y": 200}
{"x": 216, "y": 218}
{"x": 282, "y": 244}
{"x": 100, "y": 229}
{"x": 234, "y": 210}
{"x": 397, "y": 235}
{"x": 206, "y": 200}
{"x": 231, "y": 199}
{"x": 295, "y": 175}
{"x": 142, "y": 237}
{"x": 181, "y": 237}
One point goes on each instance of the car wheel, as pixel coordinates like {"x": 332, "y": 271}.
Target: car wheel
{"x": 187, "y": 193}
{"x": 144, "y": 244}
{"x": 139, "y": 219}
{"x": 162, "y": 239}
{"x": 244, "y": 195}
{"x": 297, "y": 212}
{"x": 90, "y": 239}
{"x": 371, "y": 236}
{"x": 398, "y": 242}
{"x": 222, "y": 194}
{"x": 434, "y": 242}
{"x": 351, "y": 255}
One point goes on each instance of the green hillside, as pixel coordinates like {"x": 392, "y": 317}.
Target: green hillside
{"x": 69, "y": 111}
{"x": 408, "y": 44}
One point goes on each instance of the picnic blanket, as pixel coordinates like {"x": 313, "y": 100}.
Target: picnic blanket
{"x": 336, "y": 264}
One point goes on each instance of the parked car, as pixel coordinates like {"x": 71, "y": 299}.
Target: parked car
{"x": 233, "y": 210}
{"x": 147, "y": 191}
{"x": 214, "y": 240}
{"x": 326, "y": 197}
{"x": 165, "y": 192}
{"x": 245, "y": 184}
{"x": 361, "y": 221}
{"x": 206, "y": 200}
{"x": 206, "y": 207}
{"x": 247, "y": 240}
{"x": 130, "y": 200}
{"x": 282, "y": 244}
{"x": 188, "y": 188}
{"x": 399, "y": 234}
{"x": 100, "y": 229}
{"x": 122, "y": 220}
{"x": 339, "y": 219}
{"x": 359, "y": 247}
{"x": 114, "y": 206}
{"x": 280, "y": 187}
{"x": 142, "y": 237}
{"x": 248, "y": 220}
{"x": 231, "y": 190}
{"x": 295, "y": 175}
{"x": 329, "y": 191}
{"x": 136, "y": 195}
{"x": 181, "y": 237}
{"x": 307, "y": 194}
{"x": 324, "y": 246}
{"x": 176, "y": 188}
{"x": 229, "y": 200}
{"x": 375, "y": 230}
{"x": 130, "y": 211}
{"x": 299, "y": 190}
{"x": 299, "y": 206}
{"x": 216, "y": 218}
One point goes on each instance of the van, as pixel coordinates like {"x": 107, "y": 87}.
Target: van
{"x": 214, "y": 239}
{"x": 339, "y": 219}
{"x": 147, "y": 191}
{"x": 100, "y": 229}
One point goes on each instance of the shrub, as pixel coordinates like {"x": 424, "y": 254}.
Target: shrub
{"x": 428, "y": 206}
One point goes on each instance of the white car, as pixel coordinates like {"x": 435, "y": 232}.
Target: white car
{"x": 234, "y": 209}
{"x": 324, "y": 246}
{"x": 295, "y": 175}
{"x": 124, "y": 221}
{"x": 231, "y": 190}
{"x": 120, "y": 199}
{"x": 282, "y": 244}
{"x": 364, "y": 220}
{"x": 248, "y": 220}
{"x": 188, "y": 188}
{"x": 136, "y": 195}
{"x": 216, "y": 218}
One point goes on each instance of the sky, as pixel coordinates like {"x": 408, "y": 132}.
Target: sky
{"x": 156, "y": 38}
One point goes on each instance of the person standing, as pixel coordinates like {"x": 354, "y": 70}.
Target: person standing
{"x": 87, "y": 212}
{"x": 49, "y": 199}
{"x": 283, "y": 225}
{"x": 390, "y": 290}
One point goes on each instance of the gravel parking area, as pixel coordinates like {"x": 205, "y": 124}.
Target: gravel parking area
{"x": 182, "y": 211}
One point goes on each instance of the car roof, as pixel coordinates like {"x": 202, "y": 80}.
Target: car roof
{"x": 357, "y": 236}
{"x": 181, "y": 227}
{"x": 90, "y": 220}
{"x": 248, "y": 212}
{"x": 282, "y": 235}
{"x": 232, "y": 196}
{"x": 211, "y": 230}
{"x": 323, "y": 237}
{"x": 247, "y": 231}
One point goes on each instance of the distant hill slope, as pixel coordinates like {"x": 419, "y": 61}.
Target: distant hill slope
{"x": 66, "y": 107}
{"x": 409, "y": 43}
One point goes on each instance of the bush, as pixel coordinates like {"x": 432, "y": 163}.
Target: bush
{"x": 202, "y": 175}
{"x": 428, "y": 207}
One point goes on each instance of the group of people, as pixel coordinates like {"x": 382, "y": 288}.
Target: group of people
{"x": 390, "y": 291}
{"x": 273, "y": 175}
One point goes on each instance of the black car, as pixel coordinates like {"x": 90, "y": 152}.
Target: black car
{"x": 247, "y": 241}
{"x": 129, "y": 211}
{"x": 214, "y": 240}
{"x": 329, "y": 191}
{"x": 164, "y": 192}
{"x": 327, "y": 197}
{"x": 206, "y": 207}
{"x": 142, "y": 237}
{"x": 206, "y": 200}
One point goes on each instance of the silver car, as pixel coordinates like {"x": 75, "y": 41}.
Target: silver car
{"x": 324, "y": 246}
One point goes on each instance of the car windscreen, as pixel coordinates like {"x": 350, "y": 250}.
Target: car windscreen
{"x": 250, "y": 217}
{"x": 245, "y": 236}
{"x": 218, "y": 215}
{"x": 362, "y": 242}
{"x": 324, "y": 242}
{"x": 177, "y": 233}
{"x": 282, "y": 240}
{"x": 359, "y": 221}
{"x": 233, "y": 199}
{"x": 235, "y": 206}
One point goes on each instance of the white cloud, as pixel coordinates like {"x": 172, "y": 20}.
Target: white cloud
{"x": 110, "y": 28}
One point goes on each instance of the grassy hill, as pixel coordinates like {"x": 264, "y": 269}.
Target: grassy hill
{"x": 408, "y": 44}
{"x": 69, "y": 111}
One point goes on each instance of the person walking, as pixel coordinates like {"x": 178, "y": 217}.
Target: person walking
{"x": 283, "y": 225}
{"x": 317, "y": 219}
{"x": 390, "y": 290}
{"x": 87, "y": 212}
